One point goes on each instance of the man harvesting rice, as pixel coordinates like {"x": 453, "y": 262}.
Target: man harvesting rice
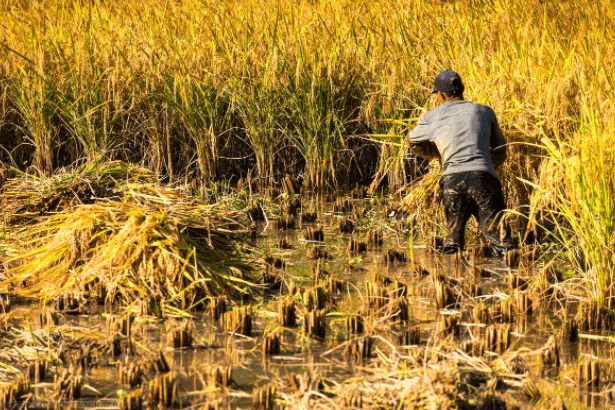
{"x": 468, "y": 140}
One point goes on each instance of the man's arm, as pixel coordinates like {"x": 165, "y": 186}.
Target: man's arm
{"x": 419, "y": 140}
{"x": 425, "y": 149}
{"x": 498, "y": 143}
{"x": 498, "y": 155}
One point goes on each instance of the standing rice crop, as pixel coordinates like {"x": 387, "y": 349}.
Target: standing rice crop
{"x": 577, "y": 190}
{"x": 167, "y": 85}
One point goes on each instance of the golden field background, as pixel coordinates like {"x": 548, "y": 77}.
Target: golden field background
{"x": 212, "y": 90}
{"x": 82, "y": 79}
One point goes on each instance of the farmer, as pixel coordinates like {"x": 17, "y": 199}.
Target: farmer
{"x": 468, "y": 141}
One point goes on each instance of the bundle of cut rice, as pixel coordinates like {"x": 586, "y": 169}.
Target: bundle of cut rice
{"x": 148, "y": 243}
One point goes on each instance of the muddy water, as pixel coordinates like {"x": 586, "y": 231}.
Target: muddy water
{"x": 300, "y": 353}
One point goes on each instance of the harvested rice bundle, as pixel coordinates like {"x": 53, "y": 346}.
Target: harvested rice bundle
{"x": 174, "y": 251}
{"x": 27, "y": 197}
{"x": 424, "y": 192}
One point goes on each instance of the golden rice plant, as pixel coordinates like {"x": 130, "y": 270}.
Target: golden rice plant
{"x": 302, "y": 81}
{"x": 577, "y": 190}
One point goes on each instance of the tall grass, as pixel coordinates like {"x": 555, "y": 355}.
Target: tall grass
{"x": 577, "y": 189}
{"x": 86, "y": 78}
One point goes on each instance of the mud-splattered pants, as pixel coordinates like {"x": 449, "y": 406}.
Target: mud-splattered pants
{"x": 478, "y": 194}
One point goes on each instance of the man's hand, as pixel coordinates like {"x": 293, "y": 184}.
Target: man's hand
{"x": 498, "y": 155}
{"x": 425, "y": 149}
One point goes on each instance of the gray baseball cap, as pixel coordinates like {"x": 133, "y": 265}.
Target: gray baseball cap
{"x": 448, "y": 81}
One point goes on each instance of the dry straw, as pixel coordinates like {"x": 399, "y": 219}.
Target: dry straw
{"x": 142, "y": 243}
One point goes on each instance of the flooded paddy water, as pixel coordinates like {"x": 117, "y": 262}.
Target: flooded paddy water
{"x": 131, "y": 275}
{"x": 351, "y": 313}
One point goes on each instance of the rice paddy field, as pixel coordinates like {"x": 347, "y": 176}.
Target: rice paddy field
{"x": 211, "y": 205}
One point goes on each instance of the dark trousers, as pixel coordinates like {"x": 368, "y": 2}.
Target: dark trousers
{"x": 478, "y": 194}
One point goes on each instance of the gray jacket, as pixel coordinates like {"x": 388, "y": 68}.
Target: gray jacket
{"x": 465, "y": 135}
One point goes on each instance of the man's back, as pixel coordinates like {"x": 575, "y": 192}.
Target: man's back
{"x": 464, "y": 134}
